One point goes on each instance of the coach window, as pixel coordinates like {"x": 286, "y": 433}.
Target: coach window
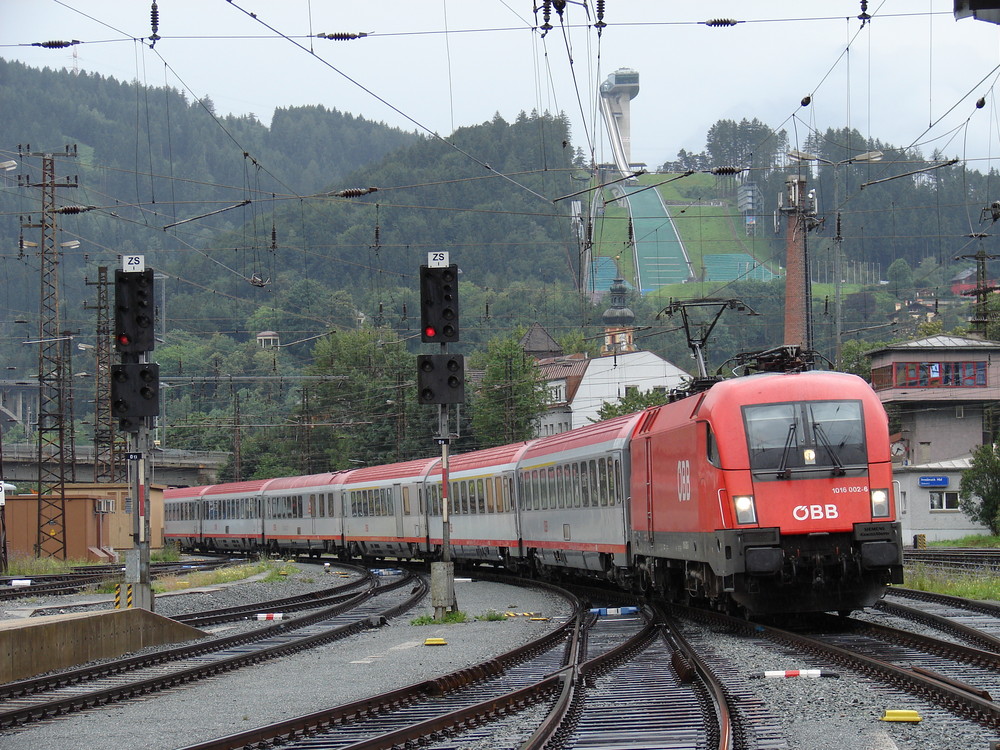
{"x": 574, "y": 484}
{"x": 619, "y": 483}
{"x": 490, "y": 501}
{"x": 593, "y": 484}
{"x": 481, "y": 485}
{"x": 552, "y": 487}
{"x": 470, "y": 487}
{"x": 607, "y": 483}
{"x": 406, "y": 500}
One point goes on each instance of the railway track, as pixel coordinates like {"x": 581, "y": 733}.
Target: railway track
{"x": 13, "y": 587}
{"x": 562, "y": 684}
{"x": 954, "y": 677}
{"x": 37, "y": 699}
{"x": 964, "y": 559}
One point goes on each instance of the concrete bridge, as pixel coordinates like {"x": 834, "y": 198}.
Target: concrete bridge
{"x": 176, "y": 468}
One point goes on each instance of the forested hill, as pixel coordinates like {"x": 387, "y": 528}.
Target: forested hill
{"x": 135, "y": 128}
{"x": 149, "y": 158}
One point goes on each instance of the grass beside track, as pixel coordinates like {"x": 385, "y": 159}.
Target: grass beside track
{"x": 274, "y": 570}
{"x": 967, "y": 585}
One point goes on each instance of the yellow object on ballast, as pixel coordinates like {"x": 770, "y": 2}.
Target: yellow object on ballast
{"x": 435, "y": 642}
{"x": 901, "y": 715}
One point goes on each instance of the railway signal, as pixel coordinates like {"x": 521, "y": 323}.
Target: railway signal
{"x": 439, "y": 304}
{"x": 134, "y": 331}
{"x": 135, "y": 393}
{"x": 440, "y": 378}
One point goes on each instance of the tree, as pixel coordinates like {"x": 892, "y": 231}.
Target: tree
{"x": 511, "y": 396}
{"x": 630, "y": 403}
{"x": 900, "y": 276}
{"x": 980, "y": 488}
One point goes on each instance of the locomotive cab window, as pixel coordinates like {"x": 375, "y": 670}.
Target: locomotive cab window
{"x": 806, "y": 437}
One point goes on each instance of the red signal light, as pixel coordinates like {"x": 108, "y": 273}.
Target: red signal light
{"x": 430, "y": 332}
{"x": 124, "y": 339}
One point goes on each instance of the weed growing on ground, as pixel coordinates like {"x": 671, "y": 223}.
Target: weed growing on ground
{"x": 450, "y": 618}
{"x": 491, "y": 615}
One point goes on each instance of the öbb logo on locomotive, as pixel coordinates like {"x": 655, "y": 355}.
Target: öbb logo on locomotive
{"x": 769, "y": 493}
{"x": 814, "y": 512}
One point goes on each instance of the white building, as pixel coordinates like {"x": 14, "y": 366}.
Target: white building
{"x": 579, "y": 386}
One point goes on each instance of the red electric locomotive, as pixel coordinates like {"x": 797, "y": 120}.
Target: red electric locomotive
{"x": 773, "y": 491}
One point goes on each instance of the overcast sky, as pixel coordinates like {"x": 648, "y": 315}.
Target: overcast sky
{"x": 911, "y": 76}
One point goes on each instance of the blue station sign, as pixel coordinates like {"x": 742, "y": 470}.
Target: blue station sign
{"x": 934, "y": 481}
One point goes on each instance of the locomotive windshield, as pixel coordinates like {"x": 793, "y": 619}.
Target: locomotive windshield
{"x": 804, "y": 437}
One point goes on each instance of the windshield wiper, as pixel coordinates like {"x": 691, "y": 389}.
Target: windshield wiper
{"x": 783, "y": 470}
{"x": 838, "y": 466}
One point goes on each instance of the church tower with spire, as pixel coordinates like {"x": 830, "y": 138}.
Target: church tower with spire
{"x": 618, "y": 320}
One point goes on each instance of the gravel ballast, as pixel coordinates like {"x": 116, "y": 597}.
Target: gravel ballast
{"x": 365, "y": 664}
{"x": 810, "y": 714}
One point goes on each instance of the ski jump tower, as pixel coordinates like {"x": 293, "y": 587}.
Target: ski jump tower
{"x": 617, "y": 92}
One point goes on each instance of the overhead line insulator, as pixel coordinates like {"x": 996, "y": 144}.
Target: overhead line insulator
{"x": 719, "y": 22}
{"x": 355, "y": 192}
{"x": 55, "y": 44}
{"x": 343, "y": 36}
{"x": 726, "y": 170}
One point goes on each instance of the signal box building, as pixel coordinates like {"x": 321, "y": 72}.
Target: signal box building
{"x": 941, "y": 387}
{"x": 97, "y": 522}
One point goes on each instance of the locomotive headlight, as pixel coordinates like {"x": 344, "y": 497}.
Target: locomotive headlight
{"x": 880, "y": 503}
{"x": 746, "y": 511}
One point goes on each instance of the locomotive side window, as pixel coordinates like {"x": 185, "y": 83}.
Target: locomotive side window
{"x": 805, "y": 436}
{"x": 712, "y": 447}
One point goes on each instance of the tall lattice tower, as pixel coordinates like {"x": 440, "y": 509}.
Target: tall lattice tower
{"x": 52, "y": 375}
